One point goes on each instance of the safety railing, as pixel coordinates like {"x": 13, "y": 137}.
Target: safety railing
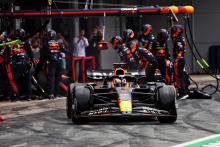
{"x": 83, "y": 61}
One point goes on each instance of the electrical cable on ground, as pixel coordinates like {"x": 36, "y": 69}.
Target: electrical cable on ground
{"x": 202, "y": 63}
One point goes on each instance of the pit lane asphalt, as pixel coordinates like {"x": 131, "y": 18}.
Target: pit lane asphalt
{"x": 44, "y": 123}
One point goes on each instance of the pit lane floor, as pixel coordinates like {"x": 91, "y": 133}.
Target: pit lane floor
{"x": 44, "y": 123}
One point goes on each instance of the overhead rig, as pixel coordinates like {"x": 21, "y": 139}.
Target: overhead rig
{"x": 107, "y": 11}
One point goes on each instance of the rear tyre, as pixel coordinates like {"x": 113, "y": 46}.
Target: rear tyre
{"x": 166, "y": 99}
{"x": 81, "y": 102}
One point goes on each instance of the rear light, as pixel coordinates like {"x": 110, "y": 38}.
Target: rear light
{"x": 102, "y": 45}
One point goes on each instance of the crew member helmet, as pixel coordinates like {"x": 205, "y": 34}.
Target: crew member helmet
{"x": 128, "y": 34}
{"x": 116, "y": 42}
{"x": 52, "y": 34}
{"x": 20, "y": 33}
{"x": 176, "y": 30}
{"x": 3, "y": 36}
{"x": 162, "y": 35}
{"x": 146, "y": 29}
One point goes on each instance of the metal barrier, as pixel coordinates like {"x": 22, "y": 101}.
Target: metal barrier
{"x": 83, "y": 61}
{"x": 74, "y": 59}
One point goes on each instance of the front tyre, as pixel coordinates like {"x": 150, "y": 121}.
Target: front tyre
{"x": 81, "y": 102}
{"x": 69, "y": 100}
{"x": 166, "y": 99}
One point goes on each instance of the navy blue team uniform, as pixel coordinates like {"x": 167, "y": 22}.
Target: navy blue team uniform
{"x": 179, "y": 49}
{"x": 142, "y": 56}
{"x": 21, "y": 62}
{"x": 146, "y": 60}
{"x": 162, "y": 54}
{"x": 21, "y": 65}
{"x": 146, "y": 39}
{"x": 52, "y": 50}
{"x": 124, "y": 52}
{"x": 125, "y": 55}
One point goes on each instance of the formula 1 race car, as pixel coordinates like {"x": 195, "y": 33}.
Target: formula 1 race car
{"x": 121, "y": 94}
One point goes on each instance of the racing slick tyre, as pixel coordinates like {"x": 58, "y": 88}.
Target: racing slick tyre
{"x": 166, "y": 99}
{"x": 81, "y": 102}
{"x": 69, "y": 100}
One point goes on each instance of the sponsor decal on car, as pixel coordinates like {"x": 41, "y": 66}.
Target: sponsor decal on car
{"x": 99, "y": 111}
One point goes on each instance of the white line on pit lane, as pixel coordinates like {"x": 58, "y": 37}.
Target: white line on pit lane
{"x": 19, "y": 145}
{"x": 196, "y": 141}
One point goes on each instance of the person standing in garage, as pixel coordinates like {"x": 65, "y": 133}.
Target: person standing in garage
{"x": 95, "y": 37}
{"x": 79, "y": 48}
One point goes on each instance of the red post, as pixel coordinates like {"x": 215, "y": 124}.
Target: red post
{"x": 83, "y": 66}
{"x": 92, "y": 58}
{"x": 74, "y": 59}
{"x": 1, "y": 118}
{"x": 85, "y": 59}
{"x": 83, "y": 69}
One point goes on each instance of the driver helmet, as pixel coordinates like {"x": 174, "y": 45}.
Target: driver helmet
{"x": 119, "y": 82}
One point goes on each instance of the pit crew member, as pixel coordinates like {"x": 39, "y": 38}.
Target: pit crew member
{"x": 179, "y": 49}
{"x": 22, "y": 59}
{"x": 161, "y": 52}
{"x": 146, "y": 39}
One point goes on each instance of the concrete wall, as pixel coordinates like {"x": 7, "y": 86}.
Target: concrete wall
{"x": 206, "y": 26}
{"x": 108, "y": 57}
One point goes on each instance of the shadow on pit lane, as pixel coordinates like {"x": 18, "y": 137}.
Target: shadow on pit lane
{"x": 59, "y": 118}
{"x": 121, "y": 121}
